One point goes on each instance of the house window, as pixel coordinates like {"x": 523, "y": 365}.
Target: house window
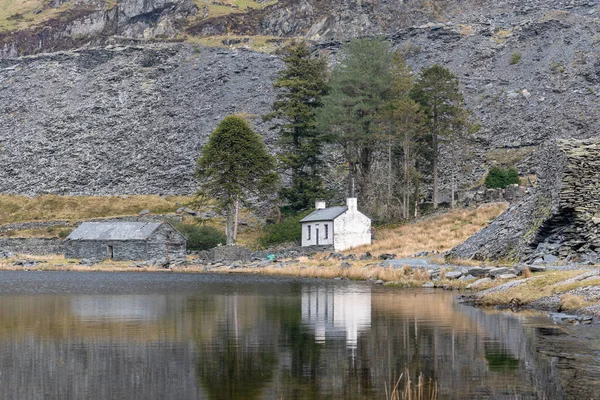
{"x": 326, "y": 231}
{"x": 308, "y": 232}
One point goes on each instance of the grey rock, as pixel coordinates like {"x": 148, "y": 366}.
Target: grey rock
{"x": 387, "y": 256}
{"x": 507, "y": 276}
{"x": 453, "y": 274}
{"x": 478, "y": 271}
{"x": 428, "y": 285}
{"x": 144, "y": 212}
{"x": 550, "y": 259}
{"x": 479, "y": 283}
{"x": 345, "y": 264}
{"x": 493, "y": 272}
{"x": 379, "y": 282}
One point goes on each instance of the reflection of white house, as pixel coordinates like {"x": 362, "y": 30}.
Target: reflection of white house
{"x": 337, "y": 312}
{"x": 343, "y": 227}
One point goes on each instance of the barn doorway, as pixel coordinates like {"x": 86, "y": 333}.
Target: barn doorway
{"x": 110, "y": 252}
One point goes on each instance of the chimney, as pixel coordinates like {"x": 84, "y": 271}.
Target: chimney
{"x": 351, "y": 203}
{"x": 319, "y": 205}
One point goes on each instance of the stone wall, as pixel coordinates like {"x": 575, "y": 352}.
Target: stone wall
{"x": 33, "y": 246}
{"x": 525, "y": 225}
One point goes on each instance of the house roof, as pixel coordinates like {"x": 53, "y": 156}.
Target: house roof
{"x": 325, "y": 214}
{"x": 113, "y": 231}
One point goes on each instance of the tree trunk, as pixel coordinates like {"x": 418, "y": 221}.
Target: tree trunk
{"x": 435, "y": 180}
{"x": 230, "y": 223}
{"x": 235, "y": 222}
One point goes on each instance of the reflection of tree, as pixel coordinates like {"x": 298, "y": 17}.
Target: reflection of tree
{"x": 301, "y": 379}
{"x": 236, "y": 354}
{"x": 228, "y": 370}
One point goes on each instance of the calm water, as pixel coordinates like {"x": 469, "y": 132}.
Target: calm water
{"x": 174, "y": 336}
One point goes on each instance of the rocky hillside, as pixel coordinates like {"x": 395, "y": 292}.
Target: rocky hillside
{"x": 125, "y": 114}
{"x": 121, "y": 119}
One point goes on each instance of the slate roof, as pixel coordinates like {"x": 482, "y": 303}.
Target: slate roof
{"x": 113, "y": 231}
{"x": 325, "y": 214}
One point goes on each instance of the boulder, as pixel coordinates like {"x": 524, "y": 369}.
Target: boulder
{"x": 428, "y": 285}
{"x": 550, "y": 258}
{"x": 387, "y": 256}
{"x": 507, "y": 276}
{"x": 478, "y": 283}
{"x": 494, "y": 272}
{"x": 453, "y": 274}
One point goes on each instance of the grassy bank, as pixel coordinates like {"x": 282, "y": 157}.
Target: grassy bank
{"x": 53, "y": 207}
{"x": 440, "y": 232}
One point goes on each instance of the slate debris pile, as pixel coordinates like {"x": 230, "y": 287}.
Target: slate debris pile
{"x": 558, "y": 221}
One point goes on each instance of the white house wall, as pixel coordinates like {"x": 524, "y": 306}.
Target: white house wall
{"x": 320, "y": 225}
{"x": 351, "y": 229}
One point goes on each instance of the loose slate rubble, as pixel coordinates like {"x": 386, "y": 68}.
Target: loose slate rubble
{"x": 558, "y": 221}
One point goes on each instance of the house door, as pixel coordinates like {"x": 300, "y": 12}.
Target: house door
{"x": 317, "y": 235}
{"x": 110, "y": 252}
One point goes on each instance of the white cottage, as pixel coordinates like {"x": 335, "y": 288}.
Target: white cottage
{"x": 343, "y": 227}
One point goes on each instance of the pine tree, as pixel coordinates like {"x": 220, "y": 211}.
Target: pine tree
{"x": 437, "y": 91}
{"x": 359, "y": 90}
{"x": 300, "y": 86}
{"x": 234, "y": 166}
{"x": 404, "y": 122}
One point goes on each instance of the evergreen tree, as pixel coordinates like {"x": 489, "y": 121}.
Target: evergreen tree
{"x": 300, "y": 86}
{"x": 437, "y": 91}
{"x": 359, "y": 90}
{"x": 234, "y": 166}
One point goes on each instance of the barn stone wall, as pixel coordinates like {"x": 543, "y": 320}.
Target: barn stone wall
{"x": 164, "y": 243}
{"x": 98, "y": 249}
{"x": 32, "y": 246}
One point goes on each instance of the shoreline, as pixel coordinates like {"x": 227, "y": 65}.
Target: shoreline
{"x": 575, "y": 292}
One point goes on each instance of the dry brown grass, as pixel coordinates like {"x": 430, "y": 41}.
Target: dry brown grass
{"x": 53, "y": 207}
{"x": 23, "y": 14}
{"x": 441, "y": 233}
{"x": 573, "y": 302}
{"x": 541, "y": 285}
{"x": 410, "y": 391}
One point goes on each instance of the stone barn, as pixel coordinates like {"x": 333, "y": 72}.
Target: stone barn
{"x": 125, "y": 241}
{"x": 343, "y": 227}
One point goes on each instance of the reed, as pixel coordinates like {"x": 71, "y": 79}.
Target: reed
{"x": 405, "y": 389}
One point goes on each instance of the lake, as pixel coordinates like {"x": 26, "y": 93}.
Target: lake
{"x": 77, "y": 335}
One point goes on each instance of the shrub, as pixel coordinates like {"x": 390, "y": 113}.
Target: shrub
{"x": 501, "y": 177}
{"x": 63, "y": 233}
{"x": 200, "y": 237}
{"x": 515, "y": 58}
{"x": 288, "y": 230}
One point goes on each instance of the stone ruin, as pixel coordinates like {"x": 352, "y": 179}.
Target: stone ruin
{"x": 558, "y": 219}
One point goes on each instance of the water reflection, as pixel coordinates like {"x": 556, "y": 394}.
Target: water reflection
{"x": 337, "y": 312}
{"x": 234, "y": 338}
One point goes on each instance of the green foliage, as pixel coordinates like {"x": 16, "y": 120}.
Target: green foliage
{"x": 557, "y": 67}
{"x": 63, "y": 233}
{"x": 499, "y": 177}
{"x": 200, "y": 237}
{"x": 437, "y": 91}
{"x": 359, "y": 91}
{"x": 300, "y": 88}
{"x": 515, "y": 58}
{"x": 235, "y": 166}
{"x": 287, "y": 231}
